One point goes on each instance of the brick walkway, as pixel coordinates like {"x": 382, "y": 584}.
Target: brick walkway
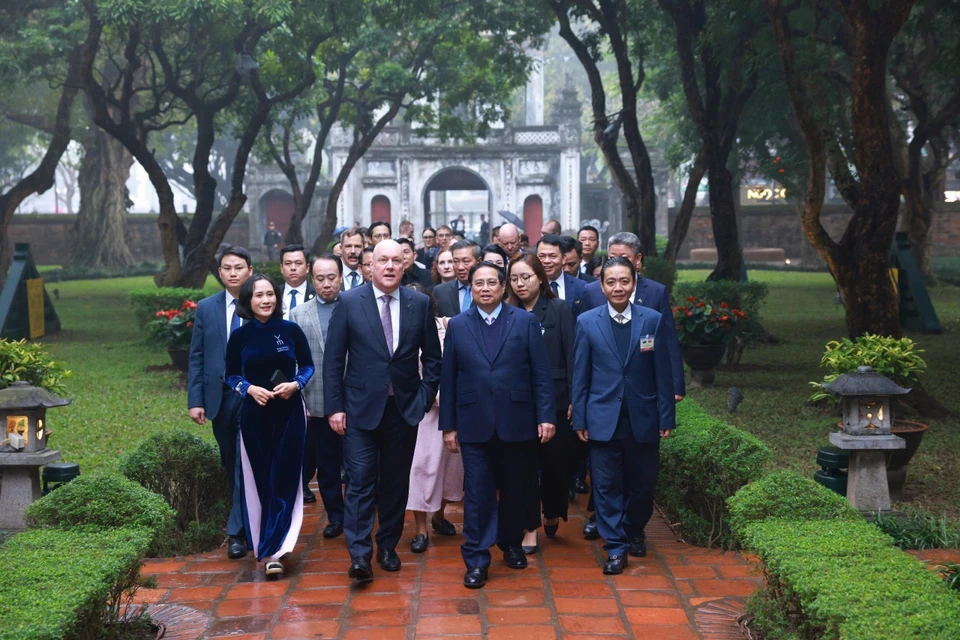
{"x": 676, "y": 592}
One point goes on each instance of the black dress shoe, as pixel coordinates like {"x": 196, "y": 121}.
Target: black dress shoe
{"x": 388, "y": 559}
{"x": 475, "y": 578}
{"x": 308, "y": 496}
{"x": 236, "y": 547}
{"x": 551, "y": 529}
{"x": 530, "y": 549}
{"x": 444, "y": 527}
{"x": 580, "y": 486}
{"x": 333, "y": 529}
{"x": 590, "y": 531}
{"x": 515, "y": 558}
{"x": 614, "y": 565}
{"x": 360, "y": 570}
{"x": 419, "y": 543}
{"x": 638, "y": 546}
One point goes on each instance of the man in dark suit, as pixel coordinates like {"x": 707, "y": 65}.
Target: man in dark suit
{"x": 323, "y": 453}
{"x": 454, "y": 296}
{"x": 351, "y": 247}
{"x": 496, "y": 376}
{"x": 567, "y": 288}
{"x": 412, "y": 272}
{"x": 208, "y": 398}
{"x": 623, "y": 403}
{"x": 375, "y": 396}
{"x": 572, "y": 256}
{"x": 296, "y": 283}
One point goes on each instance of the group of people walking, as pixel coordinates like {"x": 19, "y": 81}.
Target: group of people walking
{"x": 491, "y": 387}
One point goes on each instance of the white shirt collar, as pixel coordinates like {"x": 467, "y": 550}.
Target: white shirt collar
{"x": 627, "y": 313}
{"x": 230, "y": 298}
{"x": 379, "y": 294}
{"x": 301, "y": 289}
{"x": 494, "y": 314}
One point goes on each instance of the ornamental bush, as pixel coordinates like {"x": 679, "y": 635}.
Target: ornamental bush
{"x": 659, "y": 270}
{"x": 68, "y": 584}
{"x": 845, "y": 579}
{"x": 22, "y": 361}
{"x": 146, "y": 302}
{"x": 702, "y": 463}
{"x": 786, "y": 494}
{"x": 186, "y": 471}
{"x": 101, "y": 502}
{"x": 746, "y": 296}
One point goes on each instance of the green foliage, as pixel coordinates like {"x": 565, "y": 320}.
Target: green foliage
{"x": 104, "y": 501}
{"x": 187, "y": 472}
{"x": 919, "y": 529}
{"x": 845, "y": 579}
{"x": 950, "y": 572}
{"x": 659, "y": 270}
{"x": 66, "y": 274}
{"x": 897, "y": 358}
{"x": 786, "y": 494}
{"x": 270, "y": 269}
{"x": 173, "y": 328}
{"x": 146, "y": 302}
{"x": 702, "y": 463}
{"x": 702, "y": 323}
{"x": 746, "y": 296}
{"x": 661, "y": 244}
{"x": 57, "y": 584}
{"x": 946, "y": 269}
{"x": 22, "y": 361}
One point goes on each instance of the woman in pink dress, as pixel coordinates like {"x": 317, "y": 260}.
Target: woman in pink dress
{"x": 436, "y": 476}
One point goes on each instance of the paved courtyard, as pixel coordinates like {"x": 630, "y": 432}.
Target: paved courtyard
{"x": 677, "y": 592}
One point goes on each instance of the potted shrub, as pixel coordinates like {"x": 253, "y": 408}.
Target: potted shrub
{"x": 896, "y": 358}
{"x": 172, "y": 329}
{"x": 705, "y": 330}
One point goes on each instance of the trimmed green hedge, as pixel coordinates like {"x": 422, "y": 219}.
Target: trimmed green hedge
{"x": 105, "y": 501}
{"x": 845, "y": 579}
{"x": 661, "y": 271}
{"x": 57, "y": 585}
{"x": 65, "y": 274}
{"x": 746, "y": 296}
{"x": 702, "y": 463}
{"x": 146, "y": 302}
{"x": 786, "y": 494}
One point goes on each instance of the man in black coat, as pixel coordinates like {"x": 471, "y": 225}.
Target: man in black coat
{"x": 375, "y": 396}
{"x": 454, "y": 296}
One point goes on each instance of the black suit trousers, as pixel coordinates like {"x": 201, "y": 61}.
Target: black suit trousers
{"x": 324, "y": 456}
{"x": 378, "y": 465}
{"x": 555, "y": 458}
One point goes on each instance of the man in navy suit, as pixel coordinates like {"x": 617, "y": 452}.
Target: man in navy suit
{"x": 623, "y": 403}
{"x": 550, "y": 250}
{"x": 498, "y": 403}
{"x": 454, "y": 296}
{"x": 375, "y": 397}
{"x": 208, "y": 398}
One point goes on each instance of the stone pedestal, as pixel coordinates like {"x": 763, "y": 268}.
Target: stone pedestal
{"x": 867, "y": 488}
{"x": 20, "y": 484}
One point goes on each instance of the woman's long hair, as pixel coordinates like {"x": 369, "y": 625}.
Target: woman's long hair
{"x": 434, "y": 274}
{"x": 534, "y": 263}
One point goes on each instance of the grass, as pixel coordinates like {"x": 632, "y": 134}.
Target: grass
{"x": 800, "y": 310}
{"x": 116, "y": 403}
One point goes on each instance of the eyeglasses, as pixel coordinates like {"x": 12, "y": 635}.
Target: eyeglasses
{"x": 444, "y": 235}
{"x": 525, "y": 278}
{"x": 429, "y": 237}
{"x": 381, "y": 236}
{"x": 485, "y": 284}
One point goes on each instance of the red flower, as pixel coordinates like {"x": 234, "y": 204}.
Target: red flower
{"x": 189, "y": 324}
{"x": 160, "y": 314}
{"x": 189, "y": 304}
{"x": 700, "y": 304}
{"x": 724, "y": 318}
{"x": 724, "y": 305}
{"x": 689, "y": 313}
{"x": 692, "y": 299}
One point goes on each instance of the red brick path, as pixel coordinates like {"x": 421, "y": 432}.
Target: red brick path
{"x": 676, "y": 592}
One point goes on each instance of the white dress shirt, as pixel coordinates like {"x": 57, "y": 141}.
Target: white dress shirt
{"x": 301, "y": 294}
{"x": 394, "y": 311}
{"x": 493, "y": 314}
{"x": 231, "y": 309}
{"x": 346, "y": 278}
{"x": 561, "y": 287}
{"x": 626, "y": 313}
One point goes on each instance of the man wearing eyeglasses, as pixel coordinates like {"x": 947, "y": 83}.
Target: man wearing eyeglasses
{"x": 380, "y": 231}
{"x": 375, "y": 396}
{"x": 496, "y": 374}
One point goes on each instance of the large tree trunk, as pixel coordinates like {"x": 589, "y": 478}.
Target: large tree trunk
{"x": 681, "y": 224}
{"x": 723, "y": 217}
{"x": 922, "y": 193}
{"x": 863, "y": 279}
{"x": 100, "y": 232}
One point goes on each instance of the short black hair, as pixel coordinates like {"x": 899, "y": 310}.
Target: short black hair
{"x": 407, "y": 241}
{"x": 553, "y": 240}
{"x": 293, "y": 248}
{"x": 589, "y": 227}
{"x": 381, "y": 223}
{"x": 366, "y": 250}
{"x": 431, "y": 229}
{"x": 327, "y": 256}
{"x": 497, "y": 249}
{"x": 467, "y": 244}
{"x": 244, "y": 308}
{"x": 501, "y": 274}
{"x": 236, "y": 250}
{"x": 568, "y": 244}
{"x": 617, "y": 261}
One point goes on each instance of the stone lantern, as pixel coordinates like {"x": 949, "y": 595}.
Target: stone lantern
{"x": 23, "y": 409}
{"x": 865, "y": 433}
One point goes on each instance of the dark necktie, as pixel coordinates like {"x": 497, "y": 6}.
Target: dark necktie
{"x": 556, "y": 288}
{"x": 353, "y": 279}
{"x": 386, "y": 319}
{"x": 293, "y": 299}
{"x": 235, "y": 321}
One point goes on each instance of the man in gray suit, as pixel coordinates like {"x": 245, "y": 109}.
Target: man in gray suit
{"x": 207, "y": 394}
{"x": 324, "y": 448}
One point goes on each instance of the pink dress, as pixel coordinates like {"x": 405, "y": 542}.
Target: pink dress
{"x": 436, "y": 474}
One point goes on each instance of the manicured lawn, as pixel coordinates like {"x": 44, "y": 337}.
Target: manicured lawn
{"x": 116, "y": 403}
{"x": 800, "y": 310}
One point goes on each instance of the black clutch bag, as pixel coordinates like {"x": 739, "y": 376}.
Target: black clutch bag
{"x": 278, "y": 378}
